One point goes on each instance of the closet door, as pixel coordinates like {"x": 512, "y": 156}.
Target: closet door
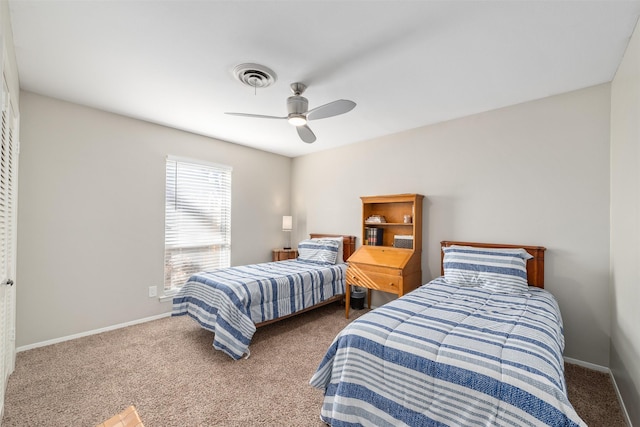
{"x": 8, "y": 191}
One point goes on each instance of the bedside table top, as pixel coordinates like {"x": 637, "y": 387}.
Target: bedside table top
{"x": 284, "y": 254}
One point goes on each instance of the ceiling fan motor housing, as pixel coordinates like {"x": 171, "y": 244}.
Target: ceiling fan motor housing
{"x": 297, "y": 105}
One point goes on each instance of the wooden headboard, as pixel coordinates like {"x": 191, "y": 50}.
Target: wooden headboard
{"x": 535, "y": 266}
{"x": 348, "y": 243}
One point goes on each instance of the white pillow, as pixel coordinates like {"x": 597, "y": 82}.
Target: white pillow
{"x": 340, "y": 240}
{"x": 498, "y": 270}
{"x": 321, "y": 251}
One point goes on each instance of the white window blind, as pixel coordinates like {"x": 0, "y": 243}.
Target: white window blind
{"x": 197, "y": 219}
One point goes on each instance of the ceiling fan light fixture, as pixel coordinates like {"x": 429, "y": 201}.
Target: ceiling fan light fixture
{"x": 299, "y": 113}
{"x": 297, "y": 119}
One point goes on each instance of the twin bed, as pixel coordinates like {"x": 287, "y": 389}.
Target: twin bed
{"x": 480, "y": 345}
{"x": 233, "y": 302}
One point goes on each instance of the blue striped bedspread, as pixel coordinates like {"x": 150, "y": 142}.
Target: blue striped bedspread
{"x": 230, "y": 301}
{"x": 450, "y": 355}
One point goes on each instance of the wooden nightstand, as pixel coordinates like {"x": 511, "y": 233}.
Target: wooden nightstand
{"x": 284, "y": 254}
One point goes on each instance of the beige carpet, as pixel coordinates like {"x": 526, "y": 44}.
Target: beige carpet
{"x": 169, "y": 371}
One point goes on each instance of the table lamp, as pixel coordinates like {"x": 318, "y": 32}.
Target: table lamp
{"x": 287, "y": 225}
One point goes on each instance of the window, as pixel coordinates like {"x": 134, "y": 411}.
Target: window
{"x": 197, "y": 220}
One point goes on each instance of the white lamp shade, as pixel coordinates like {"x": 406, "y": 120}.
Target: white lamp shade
{"x": 287, "y": 223}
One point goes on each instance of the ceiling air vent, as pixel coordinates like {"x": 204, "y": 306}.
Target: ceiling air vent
{"x": 254, "y": 75}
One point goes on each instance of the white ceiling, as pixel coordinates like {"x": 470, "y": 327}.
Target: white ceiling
{"x": 405, "y": 63}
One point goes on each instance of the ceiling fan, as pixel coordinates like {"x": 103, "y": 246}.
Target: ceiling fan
{"x": 299, "y": 113}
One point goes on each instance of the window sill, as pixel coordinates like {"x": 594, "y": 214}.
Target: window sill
{"x": 168, "y": 296}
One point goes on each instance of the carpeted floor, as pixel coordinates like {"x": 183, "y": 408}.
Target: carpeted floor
{"x": 169, "y": 371}
{"x": 592, "y": 395}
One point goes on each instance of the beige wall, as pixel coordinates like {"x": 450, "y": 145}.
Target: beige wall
{"x": 535, "y": 173}
{"x": 9, "y": 60}
{"x": 625, "y": 228}
{"x": 91, "y": 214}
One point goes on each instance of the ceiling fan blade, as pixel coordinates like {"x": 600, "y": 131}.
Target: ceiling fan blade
{"x": 257, "y": 116}
{"x": 306, "y": 134}
{"x": 331, "y": 109}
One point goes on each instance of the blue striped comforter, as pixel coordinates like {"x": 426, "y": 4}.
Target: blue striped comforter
{"x": 230, "y": 301}
{"x": 450, "y": 355}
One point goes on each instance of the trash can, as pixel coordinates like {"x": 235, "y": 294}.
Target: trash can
{"x": 357, "y": 297}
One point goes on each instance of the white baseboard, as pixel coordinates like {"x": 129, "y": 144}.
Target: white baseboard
{"x": 606, "y": 370}
{"x": 588, "y": 365}
{"x": 93, "y": 332}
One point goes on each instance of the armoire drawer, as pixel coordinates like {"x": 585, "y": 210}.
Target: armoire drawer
{"x": 359, "y": 275}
